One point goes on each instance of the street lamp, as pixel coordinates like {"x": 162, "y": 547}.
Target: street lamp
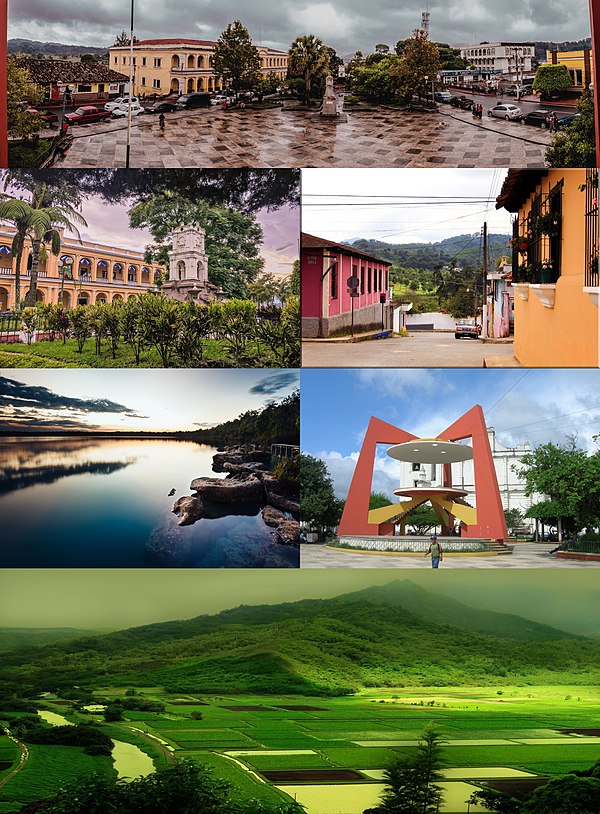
{"x": 426, "y": 78}
{"x": 128, "y": 149}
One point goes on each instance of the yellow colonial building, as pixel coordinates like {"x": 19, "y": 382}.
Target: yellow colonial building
{"x": 181, "y": 65}
{"x": 555, "y": 265}
{"x": 83, "y": 273}
{"x": 579, "y": 64}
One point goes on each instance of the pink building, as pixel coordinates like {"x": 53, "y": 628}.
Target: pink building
{"x": 341, "y": 288}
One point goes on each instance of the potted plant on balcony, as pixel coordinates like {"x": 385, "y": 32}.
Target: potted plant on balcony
{"x": 548, "y": 224}
{"x": 547, "y": 272}
{"x": 520, "y": 243}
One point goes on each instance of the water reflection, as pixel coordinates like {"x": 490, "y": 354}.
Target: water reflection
{"x": 106, "y": 502}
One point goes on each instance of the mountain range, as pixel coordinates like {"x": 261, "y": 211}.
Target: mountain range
{"x": 459, "y": 250}
{"x": 18, "y": 45}
{"x": 398, "y": 634}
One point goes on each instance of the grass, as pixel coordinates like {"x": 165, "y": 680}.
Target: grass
{"x": 50, "y": 767}
{"x": 40, "y": 354}
{"x": 244, "y": 785}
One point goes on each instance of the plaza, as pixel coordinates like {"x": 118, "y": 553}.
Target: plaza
{"x": 279, "y": 137}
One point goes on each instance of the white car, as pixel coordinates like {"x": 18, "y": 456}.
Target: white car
{"x": 219, "y": 98}
{"x": 506, "y": 111}
{"x": 121, "y": 100}
{"x": 123, "y": 109}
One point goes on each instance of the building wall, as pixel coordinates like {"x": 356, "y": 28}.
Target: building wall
{"x": 101, "y": 273}
{"x": 500, "y": 56}
{"x": 567, "y": 334}
{"x": 182, "y": 68}
{"x": 326, "y": 303}
{"x": 579, "y": 63}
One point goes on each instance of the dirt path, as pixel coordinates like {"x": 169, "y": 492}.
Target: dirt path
{"x": 24, "y": 754}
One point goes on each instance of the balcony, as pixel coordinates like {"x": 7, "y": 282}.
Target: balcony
{"x": 180, "y": 70}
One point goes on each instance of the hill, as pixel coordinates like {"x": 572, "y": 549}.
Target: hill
{"x": 17, "y": 45}
{"x": 460, "y": 250}
{"x": 12, "y": 638}
{"x": 395, "y": 635}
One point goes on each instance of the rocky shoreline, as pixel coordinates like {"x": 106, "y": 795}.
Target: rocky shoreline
{"x": 249, "y": 481}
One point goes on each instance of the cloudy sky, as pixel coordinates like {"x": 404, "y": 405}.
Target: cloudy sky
{"x": 152, "y": 400}
{"x": 534, "y": 405}
{"x": 116, "y": 599}
{"x": 347, "y": 26}
{"x": 401, "y": 205}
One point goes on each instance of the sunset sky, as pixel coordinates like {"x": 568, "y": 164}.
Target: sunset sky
{"x": 150, "y": 400}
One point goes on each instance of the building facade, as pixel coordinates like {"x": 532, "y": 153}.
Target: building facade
{"x": 342, "y": 288}
{"x": 555, "y": 265}
{"x": 512, "y": 59}
{"x": 182, "y": 66}
{"x": 579, "y": 65}
{"x": 500, "y": 301}
{"x": 87, "y": 81}
{"x": 83, "y": 273}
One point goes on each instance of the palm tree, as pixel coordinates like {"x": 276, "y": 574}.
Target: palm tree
{"x": 35, "y": 221}
{"x": 308, "y": 58}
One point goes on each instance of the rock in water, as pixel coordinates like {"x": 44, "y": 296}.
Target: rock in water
{"x": 188, "y": 509}
{"x": 226, "y": 490}
{"x": 172, "y": 492}
{"x": 288, "y": 529}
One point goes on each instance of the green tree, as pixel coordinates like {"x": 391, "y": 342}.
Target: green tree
{"x": 233, "y": 239}
{"x": 295, "y": 280}
{"x": 411, "y": 780}
{"x": 513, "y": 518}
{"x": 550, "y": 78}
{"x": 422, "y": 519}
{"x": 235, "y": 59}
{"x": 161, "y": 324}
{"x": 309, "y": 59}
{"x": 378, "y": 500}
{"x": 382, "y": 48}
{"x": 123, "y": 39}
{"x": 21, "y": 86}
{"x": 81, "y": 325}
{"x": 318, "y": 503}
{"x": 566, "y": 795}
{"x": 377, "y": 79}
{"x": 568, "y": 476}
{"x": 575, "y": 146}
{"x": 495, "y": 801}
{"x": 335, "y": 61}
{"x": 421, "y": 58}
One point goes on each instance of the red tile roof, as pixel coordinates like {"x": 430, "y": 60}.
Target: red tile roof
{"x": 312, "y": 242}
{"x": 47, "y": 71}
{"x": 176, "y": 41}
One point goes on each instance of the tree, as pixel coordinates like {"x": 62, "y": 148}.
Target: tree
{"x": 378, "y": 500}
{"x": 550, "y": 78}
{"x": 411, "y": 780}
{"x": 568, "y": 476}
{"x": 123, "y": 39}
{"x": 513, "y": 518}
{"x": 566, "y": 795}
{"x": 20, "y": 86}
{"x": 335, "y": 61}
{"x": 377, "y": 78}
{"x": 421, "y": 59}
{"x": 295, "y": 280}
{"x": 575, "y": 146}
{"x": 496, "y": 801}
{"x": 382, "y": 48}
{"x": 318, "y": 503}
{"x": 422, "y": 519}
{"x": 450, "y": 58}
{"x": 233, "y": 239}
{"x": 309, "y": 59}
{"x": 113, "y": 713}
{"x": 235, "y": 59}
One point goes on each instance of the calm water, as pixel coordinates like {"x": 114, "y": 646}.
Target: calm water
{"x": 104, "y": 503}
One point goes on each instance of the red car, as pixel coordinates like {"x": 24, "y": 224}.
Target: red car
{"x": 468, "y": 328}
{"x": 86, "y": 114}
{"x": 47, "y": 115}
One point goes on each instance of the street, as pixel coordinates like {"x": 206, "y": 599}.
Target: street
{"x": 419, "y": 349}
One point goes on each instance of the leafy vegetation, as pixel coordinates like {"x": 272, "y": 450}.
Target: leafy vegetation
{"x": 235, "y": 59}
{"x": 575, "y": 146}
{"x": 318, "y": 504}
{"x": 277, "y": 423}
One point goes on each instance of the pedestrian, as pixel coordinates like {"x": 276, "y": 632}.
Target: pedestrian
{"x": 435, "y": 551}
{"x": 161, "y": 121}
{"x": 552, "y": 119}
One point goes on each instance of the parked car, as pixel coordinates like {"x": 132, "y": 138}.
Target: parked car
{"x": 443, "y": 96}
{"x": 467, "y": 327}
{"x": 219, "y": 98}
{"x": 86, "y": 114}
{"x": 121, "y": 100}
{"x": 123, "y": 109}
{"x": 47, "y": 115}
{"x": 505, "y": 110}
{"x": 161, "y": 107}
{"x": 537, "y": 118}
{"x": 567, "y": 121}
{"x": 464, "y": 102}
{"x": 191, "y": 101}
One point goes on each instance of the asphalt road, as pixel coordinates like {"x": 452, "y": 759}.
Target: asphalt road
{"x": 419, "y": 349}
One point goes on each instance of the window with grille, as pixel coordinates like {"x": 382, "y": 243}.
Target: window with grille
{"x": 591, "y": 228}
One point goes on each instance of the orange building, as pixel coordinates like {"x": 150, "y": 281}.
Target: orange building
{"x": 83, "y": 273}
{"x": 555, "y": 265}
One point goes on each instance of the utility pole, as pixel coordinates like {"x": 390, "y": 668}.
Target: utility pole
{"x": 131, "y": 91}
{"x": 484, "y": 331}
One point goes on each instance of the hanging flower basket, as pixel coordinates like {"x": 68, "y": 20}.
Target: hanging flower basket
{"x": 519, "y": 243}
{"x": 548, "y": 224}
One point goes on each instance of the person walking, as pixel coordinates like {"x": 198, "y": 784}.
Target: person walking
{"x": 435, "y": 551}
{"x": 161, "y": 121}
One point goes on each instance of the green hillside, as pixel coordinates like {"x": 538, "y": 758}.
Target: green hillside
{"x": 398, "y": 635}
{"x": 460, "y": 250}
{"x": 12, "y": 638}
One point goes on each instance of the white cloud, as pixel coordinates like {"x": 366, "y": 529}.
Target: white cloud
{"x": 398, "y": 382}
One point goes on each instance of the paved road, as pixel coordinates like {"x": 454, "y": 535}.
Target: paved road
{"x": 274, "y": 138}
{"x": 525, "y": 555}
{"x": 419, "y": 349}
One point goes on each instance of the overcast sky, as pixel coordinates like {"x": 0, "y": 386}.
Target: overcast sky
{"x": 401, "y": 205}
{"x": 152, "y": 400}
{"x": 533, "y": 405}
{"x": 95, "y": 598}
{"x": 347, "y": 26}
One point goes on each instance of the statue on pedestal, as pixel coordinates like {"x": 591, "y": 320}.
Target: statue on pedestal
{"x": 329, "y": 101}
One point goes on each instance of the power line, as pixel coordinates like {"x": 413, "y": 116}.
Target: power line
{"x": 503, "y": 396}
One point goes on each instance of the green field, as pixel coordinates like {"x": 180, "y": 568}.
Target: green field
{"x": 510, "y": 727}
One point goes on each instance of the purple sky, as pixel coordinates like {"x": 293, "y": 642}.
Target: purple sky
{"x": 109, "y": 224}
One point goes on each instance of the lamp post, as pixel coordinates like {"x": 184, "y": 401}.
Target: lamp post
{"x": 128, "y": 149}
{"x": 426, "y": 78}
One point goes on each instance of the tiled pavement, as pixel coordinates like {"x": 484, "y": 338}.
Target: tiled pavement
{"x": 273, "y": 138}
{"x": 525, "y": 555}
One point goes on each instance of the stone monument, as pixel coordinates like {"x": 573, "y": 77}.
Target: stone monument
{"x": 329, "y": 108}
{"x": 188, "y": 267}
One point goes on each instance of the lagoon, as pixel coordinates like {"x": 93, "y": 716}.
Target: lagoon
{"x": 85, "y": 502}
